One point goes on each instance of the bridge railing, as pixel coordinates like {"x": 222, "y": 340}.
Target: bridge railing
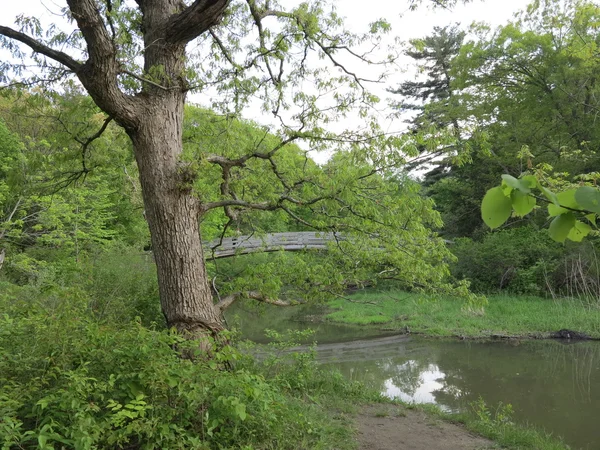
{"x": 290, "y": 241}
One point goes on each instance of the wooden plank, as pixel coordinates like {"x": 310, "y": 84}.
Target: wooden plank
{"x": 288, "y": 241}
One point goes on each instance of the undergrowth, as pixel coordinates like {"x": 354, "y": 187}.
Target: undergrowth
{"x": 70, "y": 381}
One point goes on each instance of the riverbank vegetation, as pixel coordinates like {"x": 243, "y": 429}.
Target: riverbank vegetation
{"x": 504, "y": 315}
{"x": 72, "y": 380}
{"x": 88, "y": 354}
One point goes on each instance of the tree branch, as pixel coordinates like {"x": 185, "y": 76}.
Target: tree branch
{"x": 195, "y": 20}
{"x": 38, "y": 47}
{"x": 254, "y": 295}
{"x": 100, "y": 73}
{"x": 240, "y": 203}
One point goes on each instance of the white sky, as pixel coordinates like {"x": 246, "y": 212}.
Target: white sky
{"x": 405, "y": 24}
{"x": 413, "y": 24}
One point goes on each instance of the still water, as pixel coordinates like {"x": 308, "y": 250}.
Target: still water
{"x": 550, "y": 384}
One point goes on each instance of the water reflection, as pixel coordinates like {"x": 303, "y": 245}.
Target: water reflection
{"x": 549, "y": 384}
{"x": 421, "y": 390}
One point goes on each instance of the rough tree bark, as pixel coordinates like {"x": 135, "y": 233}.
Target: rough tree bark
{"x": 171, "y": 210}
{"x": 153, "y": 119}
{"x": 172, "y": 214}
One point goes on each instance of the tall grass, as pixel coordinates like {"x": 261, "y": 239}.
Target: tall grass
{"x": 445, "y": 316}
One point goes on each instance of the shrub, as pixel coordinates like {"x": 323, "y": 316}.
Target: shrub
{"x": 526, "y": 261}
{"x": 69, "y": 381}
{"x": 515, "y": 260}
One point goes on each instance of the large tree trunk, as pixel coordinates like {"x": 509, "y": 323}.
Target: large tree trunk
{"x": 172, "y": 214}
{"x": 153, "y": 119}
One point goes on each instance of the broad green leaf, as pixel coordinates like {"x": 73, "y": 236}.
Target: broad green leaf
{"x": 579, "y": 231}
{"x": 549, "y": 195}
{"x": 506, "y": 189}
{"x": 515, "y": 183}
{"x": 561, "y": 227}
{"x": 495, "y": 207}
{"x": 135, "y": 388}
{"x": 565, "y": 198}
{"x": 240, "y": 410}
{"x": 530, "y": 181}
{"x": 591, "y": 218}
{"x": 522, "y": 203}
{"x": 588, "y": 198}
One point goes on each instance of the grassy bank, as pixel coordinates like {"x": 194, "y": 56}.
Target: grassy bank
{"x": 443, "y": 316}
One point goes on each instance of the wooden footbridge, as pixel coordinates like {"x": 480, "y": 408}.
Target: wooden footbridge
{"x": 273, "y": 242}
{"x": 289, "y": 242}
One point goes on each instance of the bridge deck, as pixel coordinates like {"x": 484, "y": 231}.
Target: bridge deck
{"x": 291, "y": 241}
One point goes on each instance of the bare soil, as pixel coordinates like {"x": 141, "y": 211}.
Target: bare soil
{"x": 393, "y": 427}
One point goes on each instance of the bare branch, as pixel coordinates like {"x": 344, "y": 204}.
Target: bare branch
{"x": 74, "y": 176}
{"x": 10, "y": 216}
{"x": 85, "y": 144}
{"x": 254, "y": 295}
{"x": 241, "y": 203}
{"x": 224, "y": 49}
{"x": 145, "y": 80}
{"x": 239, "y": 162}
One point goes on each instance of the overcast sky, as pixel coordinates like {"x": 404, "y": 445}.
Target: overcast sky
{"x": 358, "y": 15}
{"x": 413, "y": 24}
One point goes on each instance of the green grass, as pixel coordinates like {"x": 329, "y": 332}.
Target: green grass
{"x": 444, "y": 316}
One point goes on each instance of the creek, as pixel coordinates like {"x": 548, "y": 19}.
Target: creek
{"x": 553, "y": 385}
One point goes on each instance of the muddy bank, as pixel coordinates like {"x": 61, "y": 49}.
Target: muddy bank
{"x": 392, "y": 427}
{"x": 563, "y": 334}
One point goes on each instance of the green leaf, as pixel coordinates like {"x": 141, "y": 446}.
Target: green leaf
{"x": 495, "y": 207}
{"x": 514, "y": 183}
{"x": 135, "y": 388}
{"x": 561, "y": 227}
{"x": 530, "y": 181}
{"x": 579, "y": 231}
{"x": 565, "y": 198}
{"x": 522, "y": 203}
{"x": 549, "y": 195}
{"x": 240, "y": 410}
{"x": 588, "y": 198}
{"x": 591, "y": 218}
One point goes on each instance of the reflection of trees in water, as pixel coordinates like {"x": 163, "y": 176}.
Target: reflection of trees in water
{"x": 584, "y": 361}
{"x": 507, "y": 370}
{"x": 550, "y": 384}
{"x": 409, "y": 376}
{"x": 373, "y": 373}
{"x": 553, "y": 385}
{"x": 403, "y": 372}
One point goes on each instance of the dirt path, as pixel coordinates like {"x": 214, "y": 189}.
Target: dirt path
{"x": 392, "y": 427}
